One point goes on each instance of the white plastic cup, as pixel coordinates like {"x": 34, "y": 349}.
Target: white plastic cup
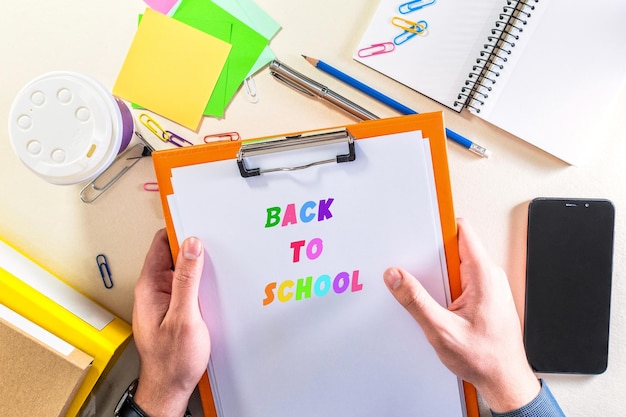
{"x": 68, "y": 128}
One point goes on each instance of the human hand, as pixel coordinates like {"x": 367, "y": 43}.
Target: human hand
{"x": 479, "y": 336}
{"x": 172, "y": 340}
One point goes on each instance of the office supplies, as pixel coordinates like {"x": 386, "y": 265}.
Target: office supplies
{"x": 153, "y": 126}
{"x": 407, "y": 25}
{"x": 148, "y": 147}
{"x": 162, "y": 6}
{"x": 120, "y": 166}
{"x": 67, "y": 128}
{"x": 312, "y": 88}
{"x": 105, "y": 272}
{"x": 376, "y": 49}
{"x": 508, "y": 63}
{"x": 364, "y": 88}
{"x": 178, "y": 91}
{"x": 222, "y": 136}
{"x": 251, "y": 91}
{"x": 413, "y": 6}
{"x": 349, "y": 359}
{"x": 248, "y": 46}
{"x": 40, "y": 373}
{"x": 150, "y": 186}
{"x": 41, "y": 297}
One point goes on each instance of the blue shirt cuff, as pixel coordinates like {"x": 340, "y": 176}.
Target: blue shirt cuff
{"x": 544, "y": 405}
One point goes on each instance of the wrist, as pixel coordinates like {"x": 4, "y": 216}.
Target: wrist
{"x": 157, "y": 401}
{"x": 511, "y": 392}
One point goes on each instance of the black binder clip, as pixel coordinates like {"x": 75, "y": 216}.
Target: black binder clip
{"x": 293, "y": 143}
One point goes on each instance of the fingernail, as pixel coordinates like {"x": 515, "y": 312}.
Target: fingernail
{"x": 192, "y": 248}
{"x": 393, "y": 278}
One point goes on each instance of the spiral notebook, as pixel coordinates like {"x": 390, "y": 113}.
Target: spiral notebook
{"x": 543, "y": 70}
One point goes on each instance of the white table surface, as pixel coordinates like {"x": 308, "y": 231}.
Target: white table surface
{"x": 53, "y": 226}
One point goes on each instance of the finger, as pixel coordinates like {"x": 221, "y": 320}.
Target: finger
{"x": 159, "y": 258}
{"x": 415, "y": 299}
{"x": 187, "y": 274}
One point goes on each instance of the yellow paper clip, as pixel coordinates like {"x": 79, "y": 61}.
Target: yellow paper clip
{"x": 154, "y": 127}
{"x": 409, "y": 25}
{"x": 222, "y": 136}
{"x": 414, "y": 5}
{"x": 376, "y": 49}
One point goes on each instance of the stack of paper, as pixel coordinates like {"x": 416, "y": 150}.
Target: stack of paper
{"x": 191, "y": 62}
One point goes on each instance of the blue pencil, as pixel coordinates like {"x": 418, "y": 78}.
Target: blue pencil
{"x": 364, "y": 88}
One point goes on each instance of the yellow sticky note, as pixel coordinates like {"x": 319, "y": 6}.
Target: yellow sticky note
{"x": 171, "y": 69}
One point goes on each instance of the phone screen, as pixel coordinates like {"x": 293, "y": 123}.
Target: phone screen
{"x": 568, "y": 285}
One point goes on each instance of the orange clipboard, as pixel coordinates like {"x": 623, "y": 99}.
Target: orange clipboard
{"x": 432, "y": 127}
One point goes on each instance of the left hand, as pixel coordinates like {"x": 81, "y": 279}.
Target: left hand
{"x": 171, "y": 337}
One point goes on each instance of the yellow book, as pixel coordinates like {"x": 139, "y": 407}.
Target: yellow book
{"x": 39, "y": 296}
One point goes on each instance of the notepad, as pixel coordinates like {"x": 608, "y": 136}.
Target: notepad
{"x": 171, "y": 69}
{"x": 292, "y": 292}
{"x": 544, "y": 71}
{"x": 247, "y": 46}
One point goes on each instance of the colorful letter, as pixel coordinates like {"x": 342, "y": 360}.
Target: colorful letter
{"x": 341, "y": 282}
{"x": 303, "y": 212}
{"x": 269, "y": 293}
{"x": 324, "y": 210}
{"x": 273, "y": 216}
{"x": 282, "y": 297}
{"x": 356, "y": 286}
{"x": 303, "y": 288}
{"x": 296, "y": 246}
{"x": 314, "y": 248}
{"x": 290, "y": 215}
{"x": 322, "y": 285}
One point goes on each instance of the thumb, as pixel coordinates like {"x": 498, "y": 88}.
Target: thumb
{"x": 186, "y": 283}
{"x": 415, "y": 299}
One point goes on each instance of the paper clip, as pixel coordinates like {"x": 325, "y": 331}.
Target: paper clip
{"x": 133, "y": 154}
{"x": 251, "y": 91}
{"x": 173, "y": 138}
{"x": 413, "y": 6}
{"x": 153, "y": 126}
{"x": 403, "y": 37}
{"x": 376, "y": 49}
{"x": 222, "y": 136}
{"x": 105, "y": 272}
{"x": 409, "y": 25}
{"x": 150, "y": 186}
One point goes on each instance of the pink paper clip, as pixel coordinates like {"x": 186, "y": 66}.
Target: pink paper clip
{"x": 150, "y": 186}
{"x": 222, "y": 136}
{"x": 376, "y": 49}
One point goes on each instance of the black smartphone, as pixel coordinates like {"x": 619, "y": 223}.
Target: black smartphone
{"x": 569, "y": 267}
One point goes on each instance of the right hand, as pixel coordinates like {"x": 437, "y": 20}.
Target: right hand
{"x": 479, "y": 336}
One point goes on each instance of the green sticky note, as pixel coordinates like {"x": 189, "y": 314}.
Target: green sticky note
{"x": 247, "y": 46}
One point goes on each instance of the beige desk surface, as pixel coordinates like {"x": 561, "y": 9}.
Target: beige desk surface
{"x": 56, "y": 228}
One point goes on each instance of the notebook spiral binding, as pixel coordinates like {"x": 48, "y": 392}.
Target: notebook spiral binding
{"x": 492, "y": 59}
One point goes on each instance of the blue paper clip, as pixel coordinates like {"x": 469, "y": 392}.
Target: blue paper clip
{"x": 105, "y": 272}
{"x": 414, "y": 5}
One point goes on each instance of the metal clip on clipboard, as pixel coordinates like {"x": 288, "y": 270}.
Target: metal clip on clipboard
{"x": 291, "y": 143}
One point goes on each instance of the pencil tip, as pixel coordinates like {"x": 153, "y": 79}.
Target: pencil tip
{"x": 304, "y": 56}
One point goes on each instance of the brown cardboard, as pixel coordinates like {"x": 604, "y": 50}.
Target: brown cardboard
{"x": 35, "y": 379}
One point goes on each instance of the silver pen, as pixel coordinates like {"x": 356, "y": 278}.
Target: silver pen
{"x": 312, "y": 88}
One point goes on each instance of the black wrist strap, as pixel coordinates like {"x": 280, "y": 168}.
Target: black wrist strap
{"x": 130, "y": 409}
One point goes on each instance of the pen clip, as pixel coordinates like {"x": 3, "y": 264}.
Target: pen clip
{"x": 291, "y": 84}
